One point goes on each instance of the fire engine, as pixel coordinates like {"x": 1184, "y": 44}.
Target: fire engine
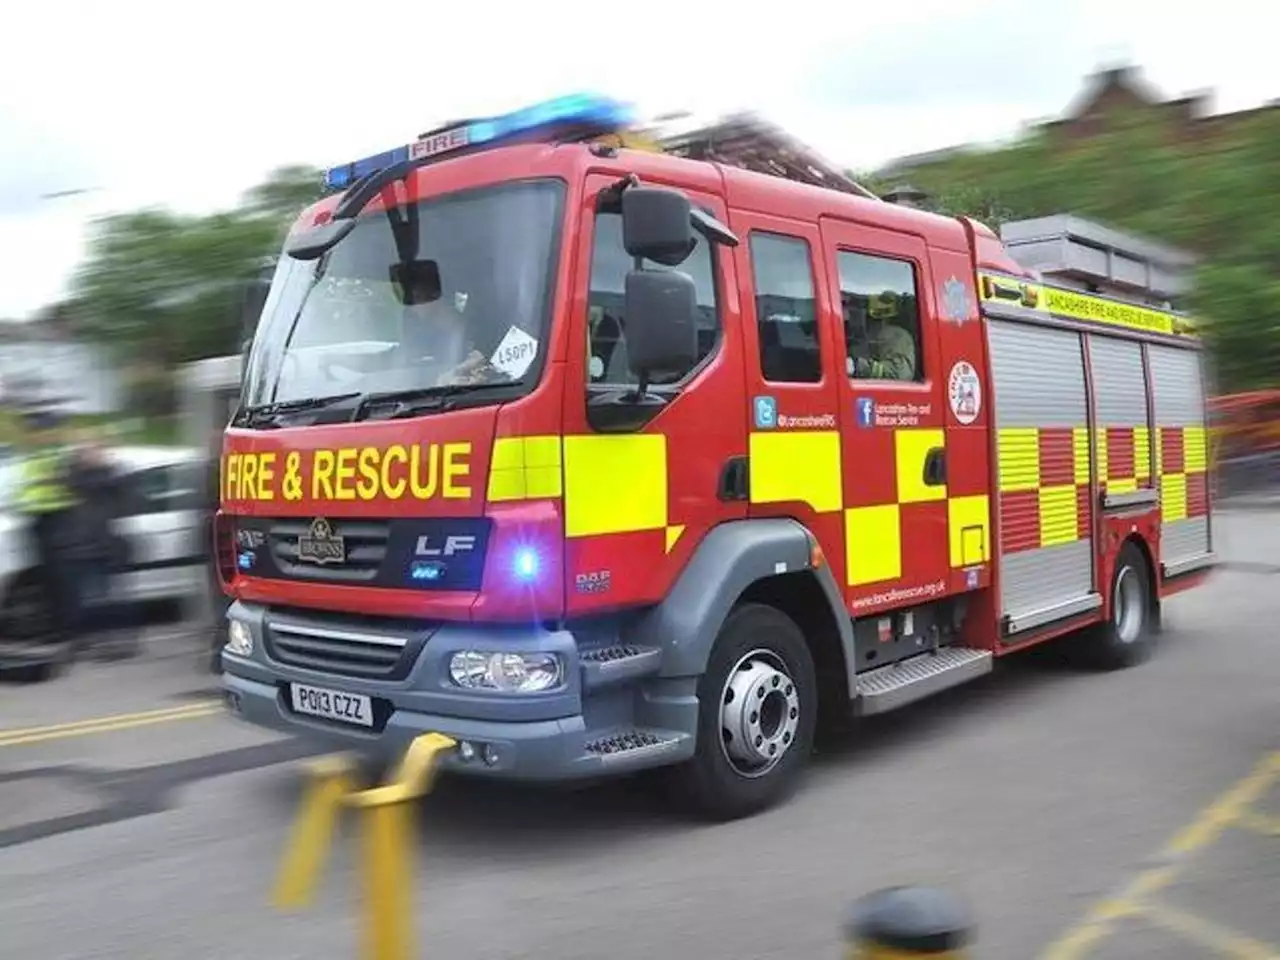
{"x": 592, "y": 459}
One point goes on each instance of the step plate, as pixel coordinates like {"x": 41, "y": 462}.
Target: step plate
{"x": 887, "y": 688}
{"x": 634, "y": 747}
{"x": 602, "y": 666}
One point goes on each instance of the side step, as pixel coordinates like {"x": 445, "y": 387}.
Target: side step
{"x": 636, "y": 748}
{"x": 889, "y": 687}
{"x": 602, "y": 666}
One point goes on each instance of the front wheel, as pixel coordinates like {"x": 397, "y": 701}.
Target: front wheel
{"x": 756, "y": 716}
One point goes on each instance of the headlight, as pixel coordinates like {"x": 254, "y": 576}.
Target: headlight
{"x": 239, "y": 638}
{"x": 508, "y": 672}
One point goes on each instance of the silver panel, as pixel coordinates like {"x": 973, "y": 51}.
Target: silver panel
{"x": 1190, "y": 564}
{"x": 1035, "y": 579}
{"x": 1038, "y": 381}
{"x": 1119, "y": 382}
{"x": 1183, "y": 539}
{"x": 1177, "y": 386}
{"x": 1125, "y": 270}
{"x": 343, "y": 636}
{"x": 1037, "y": 376}
{"x": 1048, "y": 615}
{"x": 1088, "y": 260}
{"x": 1135, "y": 498}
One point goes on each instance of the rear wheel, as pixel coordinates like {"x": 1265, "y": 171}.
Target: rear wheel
{"x": 756, "y": 716}
{"x": 1126, "y": 637}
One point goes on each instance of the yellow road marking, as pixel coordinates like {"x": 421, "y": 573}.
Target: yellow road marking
{"x": 1230, "y": 808}
{"x": 1225, "y": 942}
{"x": 1222, "y": 812}
{"x": 124, "y": 721}
{"x": 1258, "y": 823}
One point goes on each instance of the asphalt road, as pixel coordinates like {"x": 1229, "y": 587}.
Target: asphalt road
{"x": 1054, "y": 801}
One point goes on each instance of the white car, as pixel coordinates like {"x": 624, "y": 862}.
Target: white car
{"x": 162, "y": 528}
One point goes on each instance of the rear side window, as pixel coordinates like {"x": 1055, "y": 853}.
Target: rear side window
{"x": 606, "y": 315}
{"x": 786, "y": 311}
{"x": 881, "y": 317}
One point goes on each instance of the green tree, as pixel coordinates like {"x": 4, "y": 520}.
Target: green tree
{"x": 1220, "y": 202}
{"x": 166, "y": 286}
{"x": 285, "y": 193}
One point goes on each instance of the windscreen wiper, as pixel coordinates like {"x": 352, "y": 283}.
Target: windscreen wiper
{"x": 419, "y": 399}
{"x": 268, "y": 412}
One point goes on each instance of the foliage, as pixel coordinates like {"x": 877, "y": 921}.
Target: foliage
{"x": 1217, "y": 197}
{"x": 161, "y": 288}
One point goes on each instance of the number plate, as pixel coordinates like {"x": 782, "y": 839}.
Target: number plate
{"x": 351, "y": 708}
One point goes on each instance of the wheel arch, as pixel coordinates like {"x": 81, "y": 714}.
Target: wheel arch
{"x": 766, "y": 561}
{"x": 1144, "y": 550}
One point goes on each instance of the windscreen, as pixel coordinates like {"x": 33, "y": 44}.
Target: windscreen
{"x": 455, "y": 290}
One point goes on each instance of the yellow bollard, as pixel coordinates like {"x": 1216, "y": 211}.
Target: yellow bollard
{"x": 388, "y": 843}
{"x": 902, "y": 923}
{"x": 332, "y": 780}
{"x": 389, "y": 839}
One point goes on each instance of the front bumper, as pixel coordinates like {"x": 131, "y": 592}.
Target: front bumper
{"x": 611, "y": 715}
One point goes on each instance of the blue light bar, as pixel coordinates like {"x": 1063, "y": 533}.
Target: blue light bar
{"x": 582, "y": 113}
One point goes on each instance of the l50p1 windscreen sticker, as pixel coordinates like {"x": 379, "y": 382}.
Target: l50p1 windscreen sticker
{"x": 515, "y": 353}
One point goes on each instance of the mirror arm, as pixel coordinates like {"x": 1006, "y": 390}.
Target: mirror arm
{"x": 642, "y": 378}
{"x": 613, "y": 193}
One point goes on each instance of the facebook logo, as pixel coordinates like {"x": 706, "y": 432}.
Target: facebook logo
{"x": 766, "y": 413}
{"x": 866, "y": 411}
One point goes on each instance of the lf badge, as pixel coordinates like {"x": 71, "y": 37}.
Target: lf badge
{"x": 451, "y": 546}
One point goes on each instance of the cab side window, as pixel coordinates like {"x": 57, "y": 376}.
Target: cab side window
{"x": 878, "y": 296}
{"x": 786, "y": 311}
{"x": 606, "y": 320}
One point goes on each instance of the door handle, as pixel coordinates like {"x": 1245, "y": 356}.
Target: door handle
{"x": 734, "y": 480}
{"x": 935, "y": 467}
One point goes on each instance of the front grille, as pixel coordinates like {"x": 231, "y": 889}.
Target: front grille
{"x": 343, "y": 649}
{"x": 365, "y": 543}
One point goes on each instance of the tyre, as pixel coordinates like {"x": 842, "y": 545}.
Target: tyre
{"x": 26, "y": 618}
{"x": 756, "y": 717}
{"x": 1126, "y": 637}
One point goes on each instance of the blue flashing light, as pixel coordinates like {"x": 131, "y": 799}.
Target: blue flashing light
{"x": 584, "y": 113}
{"x": 525, "y": 564}
{"x": 339, "y": 178}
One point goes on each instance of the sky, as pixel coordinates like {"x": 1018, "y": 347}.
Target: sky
{"x": 142, "y": 103}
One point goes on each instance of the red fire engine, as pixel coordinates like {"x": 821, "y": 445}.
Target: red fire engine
{"x": 599, "y": 459}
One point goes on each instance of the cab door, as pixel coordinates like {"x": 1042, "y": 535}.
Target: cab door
{"x": 893, "y": 441}
{"x": 792, "y": 378}
{"x": 645, "y": 481}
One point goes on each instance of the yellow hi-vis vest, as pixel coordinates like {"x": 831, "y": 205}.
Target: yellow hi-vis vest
{"x": 42, "y": 489}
